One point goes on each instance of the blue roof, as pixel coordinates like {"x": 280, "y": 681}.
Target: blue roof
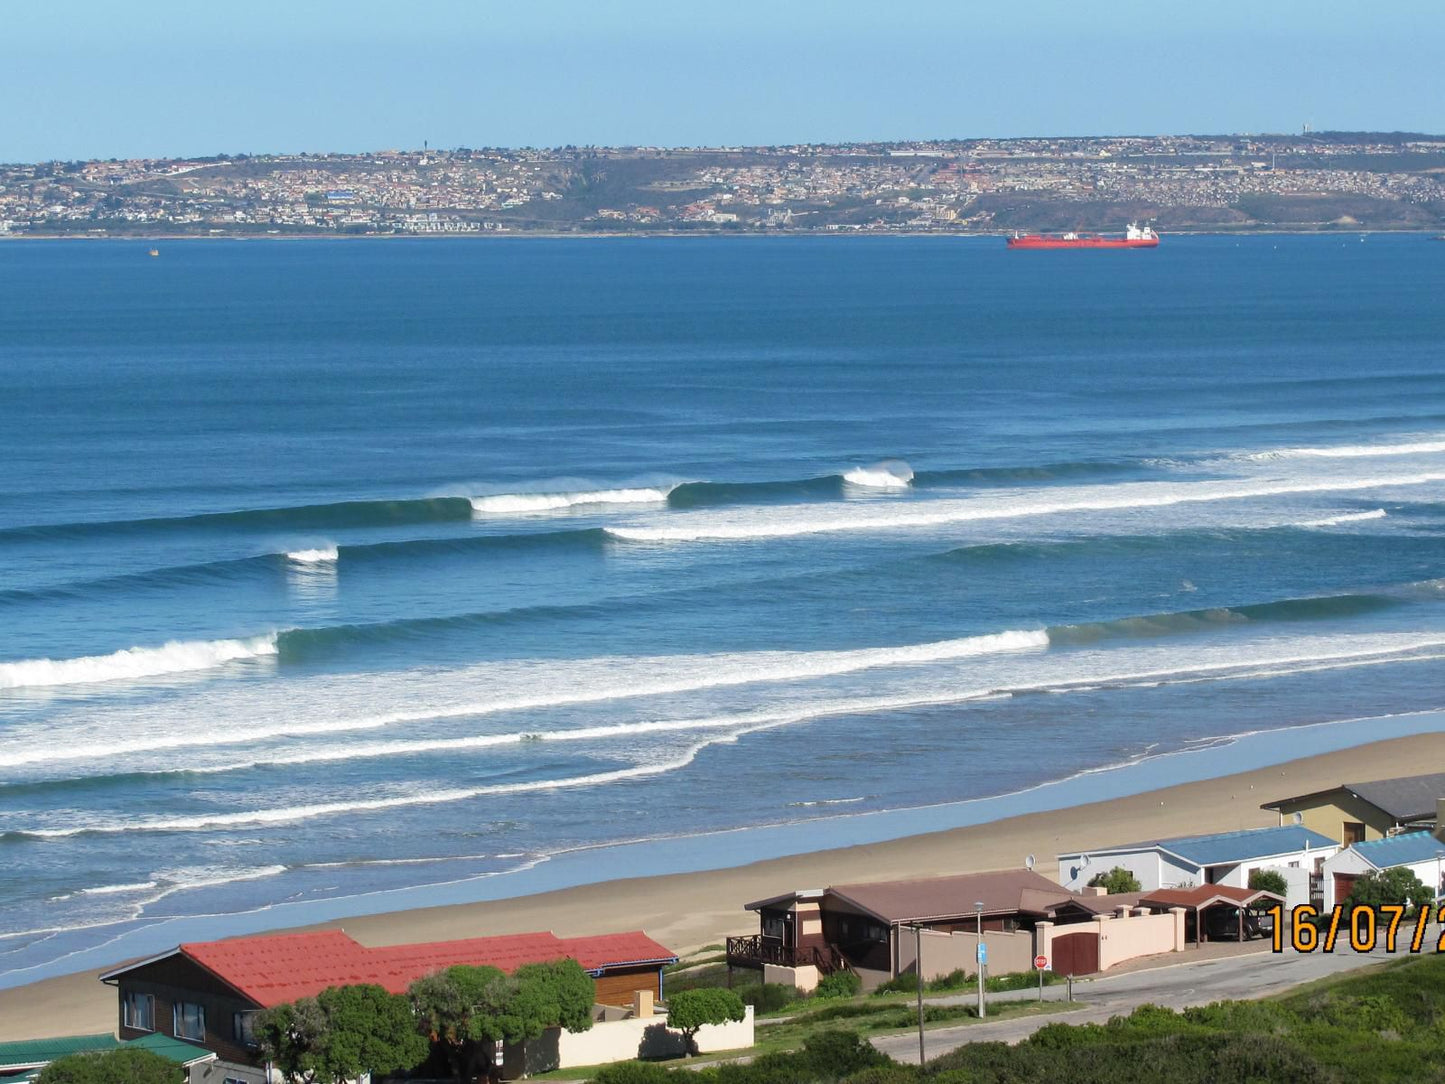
{"x": 1401, "y": 850}
{"x": 1241, "y": 846}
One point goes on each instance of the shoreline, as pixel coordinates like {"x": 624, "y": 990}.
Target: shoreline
{"x": 1326, "y": 230}
{"x": 699, "y": 899}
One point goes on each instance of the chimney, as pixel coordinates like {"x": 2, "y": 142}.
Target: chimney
{"x": 1095, "y": 890}
{"x": 642, "y": 1004}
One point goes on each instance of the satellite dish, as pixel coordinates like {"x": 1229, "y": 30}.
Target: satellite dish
{"x": 1298, "y": 818}
{"x": 1029, "y": 862}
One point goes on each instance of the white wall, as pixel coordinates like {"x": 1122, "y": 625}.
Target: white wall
{"x": 1153, "y": 869}
{"x": 649, "y": 1036}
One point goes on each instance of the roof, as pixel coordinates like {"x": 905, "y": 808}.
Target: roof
{"x": 934, "y": 898}
{"x": 1201, "y": 896}
{"x": 786, "y": 897}
{"x": 1401, "y": 850}
{"x": 33, "y": 1053}
{"x": 1406, "y": 798}
{"x": 279, "y": 968}
{"x": 1226, "y": 847}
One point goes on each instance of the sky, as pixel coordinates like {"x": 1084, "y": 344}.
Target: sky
{"x": 159, "y": 78}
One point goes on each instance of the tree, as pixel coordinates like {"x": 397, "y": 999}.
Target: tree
{"x": 127, "y": 1065}
{"x": 341, "y": 1034}
{"x": 470, "y": 1009}
{"x": 689, "y": 1010}
{"x": 1398, "y": 886}
{"x": 1268, "y": 880}
{"x": 1116, "y": 880}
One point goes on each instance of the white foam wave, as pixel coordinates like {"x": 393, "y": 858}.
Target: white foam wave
{"x": 320, "y": 556}
{"x": 1346, "y": 517}
{"x": 174, "y": 657}
{"x": 1350, "y": 451}
{"x": 889, "y": 474}
{"x": 664, "y": 675}
{"x": 792, "y": 522}
{"x": 108, "y": 890}
{"x": 512, "y": 503}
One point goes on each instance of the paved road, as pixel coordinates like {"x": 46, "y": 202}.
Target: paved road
{"x": 1177, "y": 987}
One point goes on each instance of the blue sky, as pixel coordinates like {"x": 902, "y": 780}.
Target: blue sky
{"x": 97, "y": 78}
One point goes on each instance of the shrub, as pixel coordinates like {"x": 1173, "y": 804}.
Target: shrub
{"x": 1268, "y": 880}
{"x": 835, "y": 1054}
{"x": 1117, "y": 879}
{"x": 690, "y": 1010}
{"x": 127, "y": 1065}
{"x": 885, "y": 1074}
{"x": 839, "y": 984}
{"x": 632, "y": 1072}
{"x": 1398, "y": 886}
{"x": 902, "y": 984}
{"x": 769, "y": 996}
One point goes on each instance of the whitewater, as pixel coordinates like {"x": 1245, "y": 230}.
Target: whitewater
{"x": 430, "y": 564}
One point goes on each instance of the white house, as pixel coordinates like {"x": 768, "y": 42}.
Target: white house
{"x": 1419, "y": 852}
{"x": 1227, "y": 858}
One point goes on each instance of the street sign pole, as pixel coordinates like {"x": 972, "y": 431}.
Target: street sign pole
{"x": 1041, "y": 964}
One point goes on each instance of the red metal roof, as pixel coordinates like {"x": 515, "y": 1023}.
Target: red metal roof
{"x": 274, "y": 969}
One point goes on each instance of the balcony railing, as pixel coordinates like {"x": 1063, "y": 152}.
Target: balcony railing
{"x": 755, "y": 950}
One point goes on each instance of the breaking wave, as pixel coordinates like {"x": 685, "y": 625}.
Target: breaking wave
{"x": 514, "y": 503}
{"x": 175, "y": 657}
{"x": 1343, "y": 518}
{"x": 323, "y": 556}
{"x": 889, "y": 474}
{"x": 1350, "y": 451}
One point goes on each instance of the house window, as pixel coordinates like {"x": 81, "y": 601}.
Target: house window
{"x": 1354, "y": 832}
{"x": 190, "y": 1020}
{"x": 243, "y": 1027}
{"x": 139, "y": 1011}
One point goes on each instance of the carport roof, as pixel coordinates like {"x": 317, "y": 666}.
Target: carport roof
{"x": 1201, "y": 896}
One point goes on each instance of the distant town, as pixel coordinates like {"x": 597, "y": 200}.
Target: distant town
{"x": 1313, "y": 181}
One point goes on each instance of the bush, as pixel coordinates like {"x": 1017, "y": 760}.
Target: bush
{"x": 1116, "y": 880}
{"x": 1268, "y": 880}
{"x": 690, "y": 1010}
{"x": 769, "y": 996}
{"x": 835, "y": 1054}
{"x": 1398, "y": 886}
{"x": 839, "y": 984}
{"x": 632, "y": 1072}
{"x": 128, "y": 1065}
{"x": 902, "y": 984}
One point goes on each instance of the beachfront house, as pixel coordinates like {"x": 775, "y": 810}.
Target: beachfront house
{"x": 1225, "y": 858}
{"x": 1355, "y": 812}
{"x": 21, "y": 1062}
{"x": 882, "y": 930}
{"x": 208, "y": 993}
{"x": 1419, "y": 852}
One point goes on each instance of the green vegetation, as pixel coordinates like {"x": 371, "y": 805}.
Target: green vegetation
{"x": 124, "y": 1066}
{"x": 341, "y": 1034}
{"x": 1268, "y": 880}
{"x": 690, "y": 1010}
{"x": 1391, "y": 887}
{"x": 839, "y": 984}
{"x": 1116, "y": 880}
{"x": 960, "y": 981}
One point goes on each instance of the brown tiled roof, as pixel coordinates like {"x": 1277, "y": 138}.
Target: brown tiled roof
{"x": 939, "y": 898}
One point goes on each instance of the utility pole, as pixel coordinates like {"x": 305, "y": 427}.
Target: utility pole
{"x": 918, "y": 972}
{"x": 982, "y": 957}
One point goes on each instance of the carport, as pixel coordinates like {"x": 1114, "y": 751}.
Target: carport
{"x": 1196, "y": 901}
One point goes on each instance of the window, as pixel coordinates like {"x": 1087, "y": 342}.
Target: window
{"x": 190, "y": 1020}
{"x": 243, "y": 1028}
{"x": 1354, "y": 833}
{"x": 139, "y": 1011}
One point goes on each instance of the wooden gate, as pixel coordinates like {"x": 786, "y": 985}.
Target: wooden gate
{"x": 1076, "y": 953}
{"x": 1344, "y": 883}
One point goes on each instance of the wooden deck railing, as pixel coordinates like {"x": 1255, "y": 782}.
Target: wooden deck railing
{"x": 754, "y": 950}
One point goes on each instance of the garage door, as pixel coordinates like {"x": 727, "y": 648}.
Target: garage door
{"x": 1076, "y": 953}
{"x": 1344, "y": 882}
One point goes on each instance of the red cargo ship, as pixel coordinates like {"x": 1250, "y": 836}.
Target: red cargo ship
{"x": 1134, "y": 237}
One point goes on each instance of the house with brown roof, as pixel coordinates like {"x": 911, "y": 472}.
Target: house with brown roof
{"x": 886, "y": 929}
{"x": 208, "y": 993}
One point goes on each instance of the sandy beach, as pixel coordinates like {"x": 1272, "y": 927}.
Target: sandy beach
{"x": 687, "y": 911}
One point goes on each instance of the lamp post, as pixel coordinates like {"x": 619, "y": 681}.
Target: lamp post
{"x": 982, "y": 956}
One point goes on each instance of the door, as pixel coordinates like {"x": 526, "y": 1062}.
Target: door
{"x": 1344, "y": 882}
{"x": 1353, "y": 832}
{"x": 1076, "y": 953}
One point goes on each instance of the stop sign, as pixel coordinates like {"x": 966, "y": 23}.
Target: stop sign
{"x": 1041, "y": 963}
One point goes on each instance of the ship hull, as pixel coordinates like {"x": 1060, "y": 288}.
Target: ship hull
{"x": 1034, "y": 242}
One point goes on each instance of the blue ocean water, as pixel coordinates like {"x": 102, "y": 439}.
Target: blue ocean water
{"x": 336, "y": 567}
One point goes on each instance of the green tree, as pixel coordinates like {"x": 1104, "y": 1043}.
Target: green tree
{"x": 1398, "y": 885}
{"x": 341, "y": 1034}
{"x": 128, "y": 1065}
{"x": 689, "y": 1010}
{"x": 1268, "y": 880}
{"x": 1116, "y": 880}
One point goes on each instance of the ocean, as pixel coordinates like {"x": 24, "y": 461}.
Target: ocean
{"x": 330, "y": 569}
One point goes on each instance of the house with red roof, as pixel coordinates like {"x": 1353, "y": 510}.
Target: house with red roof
{"x": 208, "y": 992}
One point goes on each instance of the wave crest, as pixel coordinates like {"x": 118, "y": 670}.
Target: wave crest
{"x": 513, "y": 503}
{"x": 175, "y": 657}
{"x": 889, "y": 474}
